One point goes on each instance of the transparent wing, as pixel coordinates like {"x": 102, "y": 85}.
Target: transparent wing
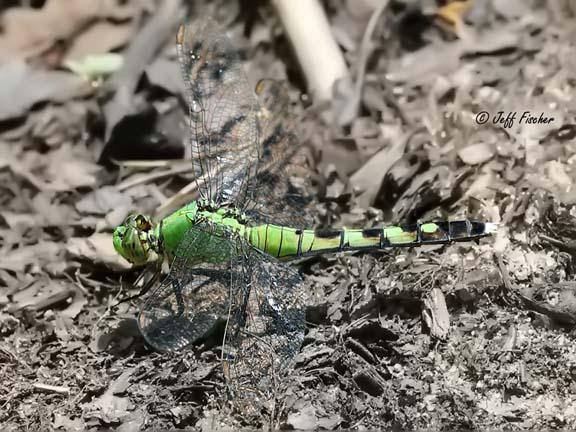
{"x": 194, "y": 297}
{"x": 223, "y": 112}
{"x": 261, "y": 299}
{"x": 281, "y": 190}
{"x": 266, "y": 328}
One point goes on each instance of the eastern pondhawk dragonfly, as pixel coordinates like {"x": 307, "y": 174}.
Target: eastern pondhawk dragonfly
{"x": 226, "y": 249}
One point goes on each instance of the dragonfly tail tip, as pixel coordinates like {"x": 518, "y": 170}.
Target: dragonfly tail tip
{"x": 491, "y": 227}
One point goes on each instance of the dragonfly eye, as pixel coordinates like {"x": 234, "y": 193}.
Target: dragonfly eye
{"x": 143, "y": 223}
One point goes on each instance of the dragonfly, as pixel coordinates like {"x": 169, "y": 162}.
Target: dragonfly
{"x": 228, "y": 250}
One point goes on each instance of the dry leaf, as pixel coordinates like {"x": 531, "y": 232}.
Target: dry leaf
{"x": 23, "y": 87}
{"x": 369, "y": 178}
{"x": 100, "y": 38}
{"x": 435, "y": 314}
{"x": 40, "y": 254}
{"x": 68, "y": 171}
{"x": 476, "y": 153}
{"x": 166, "y": 74}
{"x": 103, "y": 200}
{"x": 30, "y": 31}
{"x": 99, "y": 249}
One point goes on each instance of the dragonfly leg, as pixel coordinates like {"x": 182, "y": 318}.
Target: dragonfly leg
{"x": 178, "y": 294}
{"x": 143, "y": 291}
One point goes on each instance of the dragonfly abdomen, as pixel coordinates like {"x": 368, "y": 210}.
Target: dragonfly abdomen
{"x": 284, "y": 243}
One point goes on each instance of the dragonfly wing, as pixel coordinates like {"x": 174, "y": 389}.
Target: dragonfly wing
{"x": 179, "y": 313}
{"x": 223, "y": 112}
{"x": 280, "y": 191}
{"x": 216, "y": 278}
{"x": 193, "y": 298}
{"x": 266, "y": 328}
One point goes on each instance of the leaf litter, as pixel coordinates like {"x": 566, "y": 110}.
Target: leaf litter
{"x": 462, "y": 336}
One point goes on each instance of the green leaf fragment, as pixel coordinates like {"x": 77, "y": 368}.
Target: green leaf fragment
{"x": 94, "y": 66}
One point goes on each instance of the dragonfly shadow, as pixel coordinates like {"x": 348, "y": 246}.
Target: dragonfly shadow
{"x": 181, "y": 314}
{"x": 122, "y": 340}
{"x": 125, "y": 338}
{"x": 176, "y": 331}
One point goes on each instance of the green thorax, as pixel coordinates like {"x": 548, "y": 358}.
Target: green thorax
{"x": 218, "y": 221}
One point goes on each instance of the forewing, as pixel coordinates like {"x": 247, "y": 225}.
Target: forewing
{"x": 223, "y": 113}
{"x": 281, "y": 190}
{"x": 266, "y": 328}
{"x": 193, "y": 298}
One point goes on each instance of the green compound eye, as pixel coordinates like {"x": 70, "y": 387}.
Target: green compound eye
{"x": 143, "y": 223}
{"x": 131, "y": 239}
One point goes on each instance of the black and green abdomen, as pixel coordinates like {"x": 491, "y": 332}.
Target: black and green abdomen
{"x": 283, "y": 242}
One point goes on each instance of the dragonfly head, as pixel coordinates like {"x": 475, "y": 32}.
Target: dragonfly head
{"x": 132, "y": 238}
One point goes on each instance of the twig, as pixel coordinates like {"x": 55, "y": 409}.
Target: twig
{"x": 45, "y": 301}
{"x": 351, "y": 109}
{"x": 181, "y": 197}
{"x": 552, "y": 240}
{"x": 318, "y": 53}
{"x": 141, "y": 51}
{"x": 509, "y": 292}
{"x": 52, "y": 389}
{"x": 129, "y": 183}
{"x": 504, "y": 272}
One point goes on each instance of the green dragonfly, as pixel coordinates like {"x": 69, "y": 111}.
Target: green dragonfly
{"x": 227, "y": 250}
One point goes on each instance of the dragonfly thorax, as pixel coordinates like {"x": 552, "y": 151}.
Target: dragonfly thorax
{"x": 221, "y": 214}
{"x": 136, "y": 238}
